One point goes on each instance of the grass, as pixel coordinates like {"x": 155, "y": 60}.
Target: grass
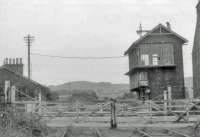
{"x": 19, "y": 124}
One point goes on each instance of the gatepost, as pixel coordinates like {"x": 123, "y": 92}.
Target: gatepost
{"x": 40, "y": 102}
{"x": 13, "y": 91}
{"x": 169, "y": 89}
{"x": 113, "y": 120}
{"x": 7, "y": 91}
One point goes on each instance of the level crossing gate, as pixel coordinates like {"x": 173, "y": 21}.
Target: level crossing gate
{"x": 110, "y": 111}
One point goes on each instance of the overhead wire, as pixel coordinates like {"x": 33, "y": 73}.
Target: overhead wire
{"x": 78, "y": 57}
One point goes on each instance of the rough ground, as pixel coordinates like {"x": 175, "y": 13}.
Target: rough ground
{"x": 122, "y": 132}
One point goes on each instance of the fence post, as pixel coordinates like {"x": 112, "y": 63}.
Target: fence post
{"x": 165, "y": 100}
{"x": 77, "y": 111}
{"x": 113, "y": 121}
{"x": 150, "y": 110}
{"x": 123, "y": 108}
{"x": 100, "y": 107}
{"x": 40, "y": 101}
{"x": 6, "y": 91}
{"x": 13, "y": 91}
{"x": 169, "y": 89}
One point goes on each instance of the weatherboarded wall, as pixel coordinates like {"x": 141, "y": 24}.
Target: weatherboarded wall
{"x": 169, "y": 50}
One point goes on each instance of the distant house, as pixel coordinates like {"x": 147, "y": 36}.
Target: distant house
{"x": 196, "y": 56}
{"x": 156, "y": 63}
{"x": 12, "y": 71}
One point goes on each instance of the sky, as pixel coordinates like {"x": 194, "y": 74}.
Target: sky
{"x": 87, "y": 28}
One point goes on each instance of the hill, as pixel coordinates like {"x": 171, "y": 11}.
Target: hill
{"x": 102, "y": 89}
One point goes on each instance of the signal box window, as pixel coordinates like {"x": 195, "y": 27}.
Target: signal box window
{"x": 155, "y": 59}
{"x": 145, "y": 59}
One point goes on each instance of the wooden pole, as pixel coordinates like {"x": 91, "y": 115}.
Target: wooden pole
{"x": 29, "y": 39}
{"x": 113, "y": 114}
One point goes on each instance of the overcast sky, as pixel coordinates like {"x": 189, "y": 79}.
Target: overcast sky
{"x": 87, "y": 28}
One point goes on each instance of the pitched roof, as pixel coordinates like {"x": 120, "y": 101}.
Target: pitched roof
{"x": 198, "y": 4}
{"x": 153, "y": 30}
{"x": 23, "y": 77}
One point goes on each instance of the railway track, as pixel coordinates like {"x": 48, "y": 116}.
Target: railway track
{"x": 158, "y": 133}
{"x": 82, "y": 133}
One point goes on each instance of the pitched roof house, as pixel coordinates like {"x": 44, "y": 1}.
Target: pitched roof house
{"x": 12, "y": 71}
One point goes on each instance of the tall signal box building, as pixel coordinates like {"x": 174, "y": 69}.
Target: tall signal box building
{"x": 156, "y": 63}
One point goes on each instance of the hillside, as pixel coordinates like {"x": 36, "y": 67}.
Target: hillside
{"x": 101, "y": 88}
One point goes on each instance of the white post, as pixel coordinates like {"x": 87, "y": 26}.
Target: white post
{"x": 6, "y": 91}
{"x": 165, "y": 100}
{"x": 123, "y": 107}
{"x": 40, "y": 96}
{"x": 13, "y": 90}
{"x": 100, "y": 107}
{"x": 169, "y": 89}
{"x": 77, "y": 111}
{"x": 40, "y": 101}
{"x": 29, "y": 107}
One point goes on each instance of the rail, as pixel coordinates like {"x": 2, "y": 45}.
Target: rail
{"x": 141, "y": 133}
{"x": 177, "y": 133}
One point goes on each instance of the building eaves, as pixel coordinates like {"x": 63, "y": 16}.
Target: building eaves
{"x": 23, "y": 77}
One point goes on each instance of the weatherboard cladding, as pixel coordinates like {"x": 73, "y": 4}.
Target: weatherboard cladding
{"x": 169, "y": 71}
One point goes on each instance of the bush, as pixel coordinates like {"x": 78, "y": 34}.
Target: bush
{"x": 19, "y": 124}
{"x": 83, "y": 95}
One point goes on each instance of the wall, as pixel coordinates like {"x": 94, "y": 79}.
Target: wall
{"x": 165, "y": 53}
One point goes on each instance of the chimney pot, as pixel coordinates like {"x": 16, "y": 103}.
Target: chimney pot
{"x": 6, "y": 60}
{"x": 10, "y": 61}
{"x": 168, "y": 25}
{"x": 14, "y": 61}
{"x": 17, "y": 62}
{"x": 20, "y": 60}
{"x": 14, "y": 64}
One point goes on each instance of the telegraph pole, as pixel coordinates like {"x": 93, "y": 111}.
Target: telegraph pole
{"x": 28, "y": 40}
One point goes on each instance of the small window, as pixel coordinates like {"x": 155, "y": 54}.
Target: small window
{"x": 145, "y": 59}
{"x": 143, "y": 75}
{"x": 155, "y": 59}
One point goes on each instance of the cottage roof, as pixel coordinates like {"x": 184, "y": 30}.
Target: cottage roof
{"x": 152, "y": 31}
{"x": 23, "y": 77}
{"x": 198, "y": 3}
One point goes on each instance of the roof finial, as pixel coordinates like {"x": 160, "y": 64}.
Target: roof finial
{"x": 139, "y": 32}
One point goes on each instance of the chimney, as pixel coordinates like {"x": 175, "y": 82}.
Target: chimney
{"x": 14, "y": 64}
{"x": 168, "y": 25}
